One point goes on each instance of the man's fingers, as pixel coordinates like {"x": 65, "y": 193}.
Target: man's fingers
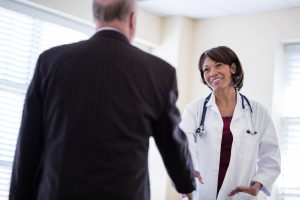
{"x": 199, "y": 177}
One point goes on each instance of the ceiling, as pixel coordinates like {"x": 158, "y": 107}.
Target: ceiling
{"x": 201, "y": 9}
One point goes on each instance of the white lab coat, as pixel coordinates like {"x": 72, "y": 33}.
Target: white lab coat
{"x": 253, "y": 157}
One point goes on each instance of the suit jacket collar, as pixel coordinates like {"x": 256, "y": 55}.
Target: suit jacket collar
{"x": 110, "y": 34}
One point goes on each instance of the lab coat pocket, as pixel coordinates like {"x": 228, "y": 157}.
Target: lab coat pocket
{"x": 249, "y": 146}
{"x": 244, "y": 196}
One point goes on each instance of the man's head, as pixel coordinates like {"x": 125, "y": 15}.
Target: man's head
{"x": 119, "y": 14}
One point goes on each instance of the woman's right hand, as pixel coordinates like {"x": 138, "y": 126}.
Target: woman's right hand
{"x": 197, "y": 174}
{"x": 252, "y": 190}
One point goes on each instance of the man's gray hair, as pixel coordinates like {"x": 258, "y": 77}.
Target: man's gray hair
{"x": 118, "y": 9}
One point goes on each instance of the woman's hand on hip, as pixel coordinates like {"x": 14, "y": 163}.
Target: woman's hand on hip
{"x": 253, "y": 189}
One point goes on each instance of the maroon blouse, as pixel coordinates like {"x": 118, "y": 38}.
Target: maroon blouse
{"x": 225, "y": 150}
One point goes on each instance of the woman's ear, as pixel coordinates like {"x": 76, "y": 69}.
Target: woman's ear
{"x": 233, "y": 68}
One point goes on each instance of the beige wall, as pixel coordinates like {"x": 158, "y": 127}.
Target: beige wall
{"x": 177, "y": 43}
{"x": 257, "y": 39}
{"x": 149, "y": 28}
{"x": 148, "y": 25}
{"x": 80, "y": 9}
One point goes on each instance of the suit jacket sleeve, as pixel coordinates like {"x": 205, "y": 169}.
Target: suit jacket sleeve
{"x": 172, "y": 143}
{"x": 29, "y": 145}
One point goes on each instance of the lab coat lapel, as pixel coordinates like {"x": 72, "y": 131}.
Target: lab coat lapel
{"x": 212, "y": 104}
{"x": 238, "y": 110}
{"x": 213, "y": 116}
{"x": 238, "y": 122}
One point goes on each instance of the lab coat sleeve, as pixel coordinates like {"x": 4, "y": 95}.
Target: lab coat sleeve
{"x": 188, "y": 125}
{"x": 269, "y": 154}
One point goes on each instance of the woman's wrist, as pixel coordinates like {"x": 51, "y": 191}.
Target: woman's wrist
{"x": 257, "y": 186}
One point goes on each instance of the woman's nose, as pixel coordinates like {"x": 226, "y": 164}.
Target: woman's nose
{"x": 213, "y": 72}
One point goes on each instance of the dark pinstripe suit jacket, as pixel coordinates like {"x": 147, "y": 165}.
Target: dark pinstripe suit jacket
{"x": 88, "y": 115}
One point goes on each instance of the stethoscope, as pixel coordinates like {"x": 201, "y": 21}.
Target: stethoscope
{"x": 201, "y": 130}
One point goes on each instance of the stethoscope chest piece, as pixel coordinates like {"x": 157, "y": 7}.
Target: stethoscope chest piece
{"x": 251, "y": 132}
{"x": 199, "y": 132}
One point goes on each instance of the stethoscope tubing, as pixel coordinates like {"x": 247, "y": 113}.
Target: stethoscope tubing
{"x": 201, "y": 130}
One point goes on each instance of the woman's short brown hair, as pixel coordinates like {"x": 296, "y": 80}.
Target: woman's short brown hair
{"x": 226, "y": 56}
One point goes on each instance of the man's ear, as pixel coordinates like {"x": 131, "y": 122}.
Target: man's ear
{"x": 132, "y": 23}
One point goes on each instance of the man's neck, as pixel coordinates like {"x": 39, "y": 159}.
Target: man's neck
{"x": 107, "y": 28}
{"x": 115, "y": 25}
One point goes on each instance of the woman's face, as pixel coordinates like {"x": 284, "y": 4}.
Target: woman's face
{"x": 217, "y": 75}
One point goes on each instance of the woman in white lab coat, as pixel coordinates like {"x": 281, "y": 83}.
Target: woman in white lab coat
{"x": 235, "y": 148}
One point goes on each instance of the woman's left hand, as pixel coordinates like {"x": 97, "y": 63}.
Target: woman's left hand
{"x": 252, "y": 190}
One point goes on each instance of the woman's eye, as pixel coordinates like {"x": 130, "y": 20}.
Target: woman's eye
{"x": 205, "y": 70}
{"x": 219, "y": 65}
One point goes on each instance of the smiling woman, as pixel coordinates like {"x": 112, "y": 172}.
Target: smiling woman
{"x": 236, "y": 152}
{"x": 22, "y": 38}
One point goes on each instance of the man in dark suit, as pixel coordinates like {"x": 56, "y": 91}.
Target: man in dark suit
{"x": 88, "y": 115}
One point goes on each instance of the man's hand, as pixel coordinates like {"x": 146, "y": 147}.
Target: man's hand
{"x": 189, "y": 196}
{"x": 252, "y": 190}
{"x": 197, "y": 174}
